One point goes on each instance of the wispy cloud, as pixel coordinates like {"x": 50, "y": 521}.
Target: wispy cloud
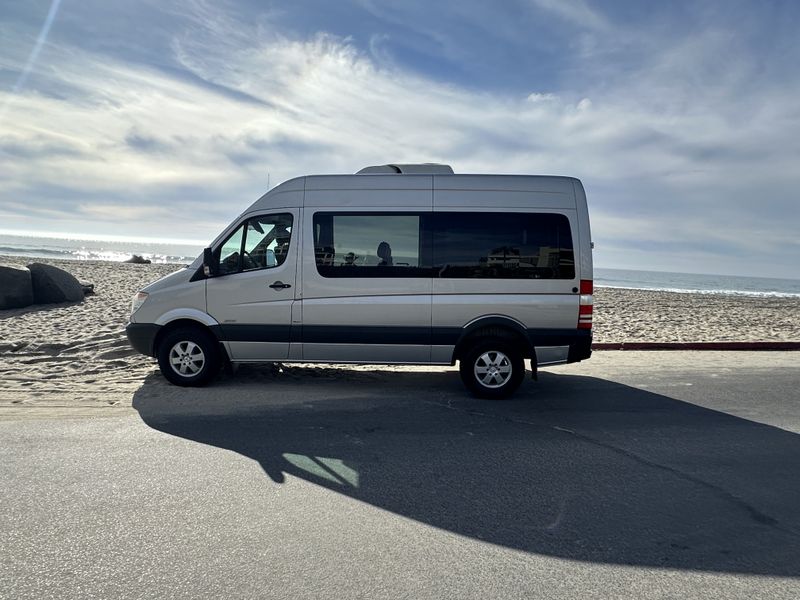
{"x": 576, "y": 12}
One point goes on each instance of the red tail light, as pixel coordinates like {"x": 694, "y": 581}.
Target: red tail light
{"x": 586, "y": 304}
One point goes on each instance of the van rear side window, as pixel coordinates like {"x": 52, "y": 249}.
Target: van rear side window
{"x": 368, "y": 245}
{"x": 502, "y": 246}
{"x": 449, "y": 245}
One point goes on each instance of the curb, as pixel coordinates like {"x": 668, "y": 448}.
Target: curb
{"x": 698, "y": 346}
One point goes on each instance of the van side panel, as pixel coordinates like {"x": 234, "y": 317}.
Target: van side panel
{"x": 364, "y": 319}
{"x": 256, "y": 319}
{"x": 547, "y": 308}
{"x": 488, "y": 192}
{"x": 369, "y": 192}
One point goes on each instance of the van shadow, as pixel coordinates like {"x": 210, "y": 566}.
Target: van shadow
{"x": 575, "y": 467}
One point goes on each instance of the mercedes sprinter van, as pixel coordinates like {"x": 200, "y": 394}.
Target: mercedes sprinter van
{"x": 397, "y": 264}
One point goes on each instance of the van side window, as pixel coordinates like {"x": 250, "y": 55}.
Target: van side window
{"x": 231, "y": 252}
{"x": 502, "y": 246}
{"x": 485, "y": 245}
{"x": 368, "y": 245}
{"x": 259, "y": 243}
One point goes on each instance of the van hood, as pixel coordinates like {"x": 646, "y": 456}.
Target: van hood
{"x": 180, "y": 276}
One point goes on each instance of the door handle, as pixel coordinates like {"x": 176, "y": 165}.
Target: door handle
{"x": 279, "y": 285}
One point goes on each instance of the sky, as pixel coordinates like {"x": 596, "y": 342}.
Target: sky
{"x": 161, "y": 119}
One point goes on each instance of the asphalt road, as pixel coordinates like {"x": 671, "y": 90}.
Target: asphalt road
{"x": 633, "y": 475}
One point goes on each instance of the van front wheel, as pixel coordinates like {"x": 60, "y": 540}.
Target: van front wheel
{"x": 492, "y": 369}
{"x": 188, "y": 357}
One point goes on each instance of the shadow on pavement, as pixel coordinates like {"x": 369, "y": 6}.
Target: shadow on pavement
{"x": 574, "y": 467}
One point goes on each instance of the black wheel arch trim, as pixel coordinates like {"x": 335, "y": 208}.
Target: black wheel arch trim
{"x": 489, "y": 321}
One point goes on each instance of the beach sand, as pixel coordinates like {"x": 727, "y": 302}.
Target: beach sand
{"x": 623, "y": 315}
{"x": 78, "y": 354}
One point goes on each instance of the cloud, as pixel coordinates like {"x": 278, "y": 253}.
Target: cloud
{"x": 679, "y": 153}
{"x": 117, "y": 213}
{"x": 576, "y": 12}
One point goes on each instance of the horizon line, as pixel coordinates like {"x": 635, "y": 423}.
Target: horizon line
{"x": 100, "y": 238}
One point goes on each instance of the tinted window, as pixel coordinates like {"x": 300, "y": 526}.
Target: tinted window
{"x": 502, "y": 246}
{"x": 259, "y": 243}
{"x": 368, "y": 245}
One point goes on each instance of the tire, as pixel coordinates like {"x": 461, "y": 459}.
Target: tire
{"x": 189, "y": 356}
{"x": 485, "y": 355}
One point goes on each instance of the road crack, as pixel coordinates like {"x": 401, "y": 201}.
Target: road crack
{"x": 754, "y": 513}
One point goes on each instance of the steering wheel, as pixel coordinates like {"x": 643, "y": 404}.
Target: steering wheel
{"x": 248, "y": 262}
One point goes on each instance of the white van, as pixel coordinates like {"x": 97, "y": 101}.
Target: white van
{"x": 397, "y": 264}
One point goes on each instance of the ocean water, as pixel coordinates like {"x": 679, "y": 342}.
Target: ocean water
{"x": 77, "y": 249}
{"x": 693, "y": 283}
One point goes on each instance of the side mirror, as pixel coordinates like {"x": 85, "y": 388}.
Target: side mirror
{"x": 209, "y": 266}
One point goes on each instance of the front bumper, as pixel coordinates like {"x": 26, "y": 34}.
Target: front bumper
{"x": 142, "y": 337}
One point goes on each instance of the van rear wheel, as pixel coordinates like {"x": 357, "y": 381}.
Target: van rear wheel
{"x": 188, "y": 356}
{"x": 492, "y": 368}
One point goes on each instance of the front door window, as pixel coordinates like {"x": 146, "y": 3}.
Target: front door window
{"x": 259, "y": 243}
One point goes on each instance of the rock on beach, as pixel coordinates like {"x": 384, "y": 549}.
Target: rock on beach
{"x": 52, "y": 285}
{"x": 16, "y": 289}
{"x": 138, "y": 260}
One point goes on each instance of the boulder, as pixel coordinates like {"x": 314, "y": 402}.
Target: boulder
{"x": 136, "y": 259}
{"x": 51, "y": 284}
{"x": 16, "y": 289}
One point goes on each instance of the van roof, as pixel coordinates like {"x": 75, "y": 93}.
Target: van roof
{"x": 400, "y": 190}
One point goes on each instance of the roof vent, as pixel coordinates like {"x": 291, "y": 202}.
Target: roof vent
{"x": 418, "y": 169}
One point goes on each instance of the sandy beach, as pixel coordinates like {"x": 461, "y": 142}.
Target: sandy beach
{"x": 79, "y": 353}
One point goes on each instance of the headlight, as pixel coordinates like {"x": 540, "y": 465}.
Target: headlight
{"x": 138, "y": 300}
